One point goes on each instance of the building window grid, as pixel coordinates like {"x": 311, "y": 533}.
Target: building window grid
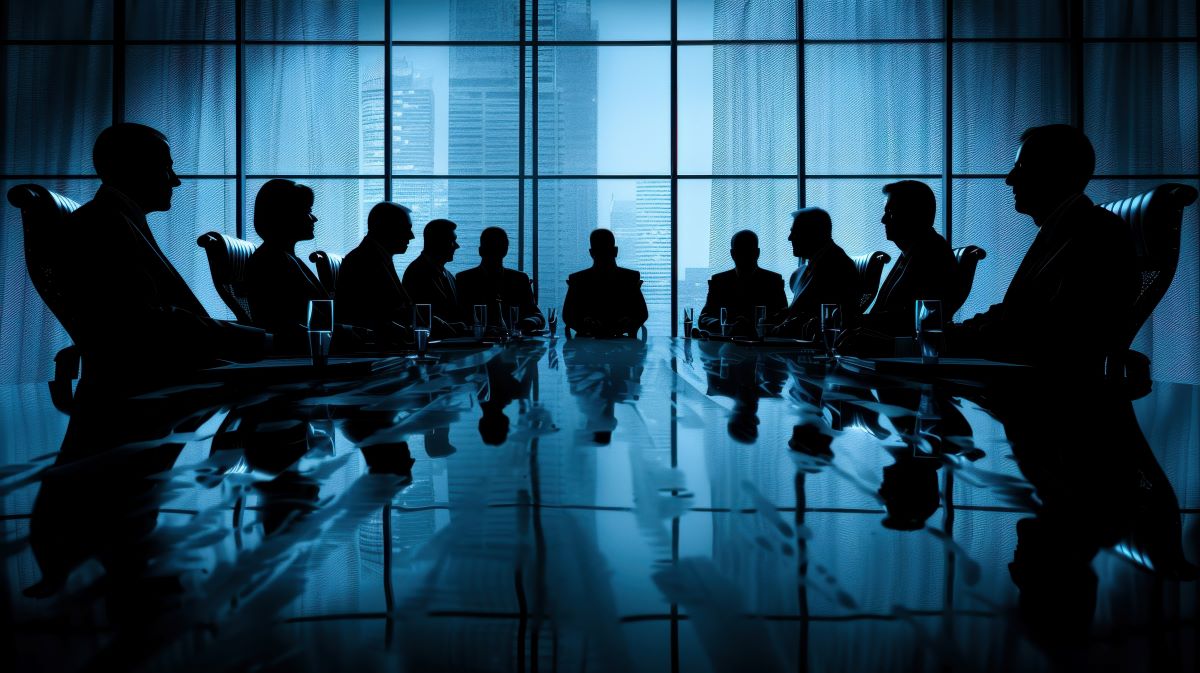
{"x": 528, "y": 170}
{"x": 528, "y": 173}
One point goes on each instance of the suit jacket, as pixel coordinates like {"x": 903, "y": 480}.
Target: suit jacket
{"x": 509, "y": 288}
{"x": 279, "y": 286}
{"x": 1070, "y": 302}
{"x": 828, "y": 278}
{"x": 137, "y": 322}
{"x": 369, "y": 291}
{"x": 430, "y": 283}
{"x": 739, "y": 295}
{"x": 926, "y": 271}
{"x": 609, "y": 296}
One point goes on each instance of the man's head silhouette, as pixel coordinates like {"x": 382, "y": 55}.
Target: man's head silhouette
{"x": 1053, "y": 163}
{"x": 743, "y": 248}
{"x": 811, "y": 228}
{"x": 135, "y": 160}
{"x": 909, "y": 210}
{"x": 493, "y": 244}
{"x": 391, "y": 225}
{"x": 603, "y": 246}
{"x": 440, "y": 240}
{"x": 283, "y": 212}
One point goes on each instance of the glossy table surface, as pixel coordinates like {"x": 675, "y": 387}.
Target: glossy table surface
{"x": 603, "y": 505}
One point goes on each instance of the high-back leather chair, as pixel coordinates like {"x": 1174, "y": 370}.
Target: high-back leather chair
{"x": 1155, "y": 217}
{"x": 328, "y": 266}
{"x": 227, "y": 257}
{"x": 42, "y": 216}
{"x": 870, "y": 270}
{"x": 966, "y": 260}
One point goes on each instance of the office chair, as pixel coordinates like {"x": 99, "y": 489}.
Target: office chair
{"x": 328, "y": 266}
{"x": 870, "y": 270}
{"x": 227, "y": 257}
{"x": 42, "y": 216}
{"x": 1155, "y": 218}
{"x": 966, "y": 260}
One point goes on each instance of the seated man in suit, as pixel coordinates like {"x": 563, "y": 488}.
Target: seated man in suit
{"x": 925, "y": 269}
{"x": 138, "y": 323}
{"x": 369, "y": 291}
{"x": 428, "y": 281}
{"x": 496, "y": 287}
{"x": 1070, "y": 303}
{"x": 827, "y": 276}
{"x": 604, "y": 300}
{"x": 279, "y": 284}
{"x": 741, "y": 289}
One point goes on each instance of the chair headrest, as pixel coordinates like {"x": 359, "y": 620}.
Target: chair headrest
{"x": 41, "y": 202}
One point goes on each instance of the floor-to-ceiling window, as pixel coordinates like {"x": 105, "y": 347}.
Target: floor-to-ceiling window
{"x": 673, "y": 122}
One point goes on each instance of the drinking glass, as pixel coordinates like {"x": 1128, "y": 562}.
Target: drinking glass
{"x": 687, "y": 322}
{"x": 928, "y": 327}
{"x": 320, "y": 330}
{"x": 831, "y": 325}
{"x": 422, "y": 338}
{"x": 725, "y": 327}
{"x": 552, "y": 322}
{"x": 423, "y": 317}
{"x": 514, "y": 316}
{"x": 760, "y": 321}
{"x": 480, "y": 311}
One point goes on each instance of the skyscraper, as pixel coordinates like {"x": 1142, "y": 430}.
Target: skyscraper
{"x": 643, "y": 231}
{"x": 412, "y": 139}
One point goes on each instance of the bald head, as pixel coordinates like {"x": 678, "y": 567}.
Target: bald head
{"x": 391, "y": 225}
{"x": 136, "y": 160}
{"x": 743, "y": 248}
{"x": 604, "y": 246}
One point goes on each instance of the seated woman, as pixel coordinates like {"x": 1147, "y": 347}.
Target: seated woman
{"x": 278, "y": 284}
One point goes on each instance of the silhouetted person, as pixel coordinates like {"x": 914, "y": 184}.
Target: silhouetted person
{"x": 741, "y": 289}
{"x": 138, "y": 323}
{"x": 496, "y": 287}
{"x": 744, "y": 377}
{"x": 504, "y": 384}
{"x": 925, "y": 269}
{"x": 369, "y": 291}
{"x": 1070, "y": 301}
{"x": 279, "y": 284}
{"x": 1098, "y": 483}
{"x": 827, "y": 275}
{"x": 428, "y": 281}
{"x": 604, "y": 300}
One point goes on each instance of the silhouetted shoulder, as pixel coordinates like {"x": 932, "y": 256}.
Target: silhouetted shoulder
{"x": 771, "y": 277}
{"x": 515, "y": 276}
{"x": 628, "y": 274}
{"x": 468, "y": 275}
{"x": 724, "y": 276}
{"x": 580, "y": 276}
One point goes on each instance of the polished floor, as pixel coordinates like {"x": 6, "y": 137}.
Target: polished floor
{"x": 579, "y": 505}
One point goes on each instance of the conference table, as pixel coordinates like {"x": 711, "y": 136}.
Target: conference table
{"x": 624, "y": 505}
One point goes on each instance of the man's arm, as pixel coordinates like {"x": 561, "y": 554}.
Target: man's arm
{"x": 640, "y": 313}
{"x": 710, "y": 315}
{"x": 531, "y": 315}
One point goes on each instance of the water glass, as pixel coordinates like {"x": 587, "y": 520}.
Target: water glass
{"x": 831, "y": 325}
{"x": 725, "y": 327}
{"x": 514, "y": 317}
{"x": 320, "y": 330}
{"x": 552, "y": 322}
{"x": 760, "y": 321}
{"x": 422, "y": 338}
{"x": 687, "y": 322}
{"x": 480, "y": 311}
{"x": 928, "y": 327}
{"x": 423, "y": 317}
